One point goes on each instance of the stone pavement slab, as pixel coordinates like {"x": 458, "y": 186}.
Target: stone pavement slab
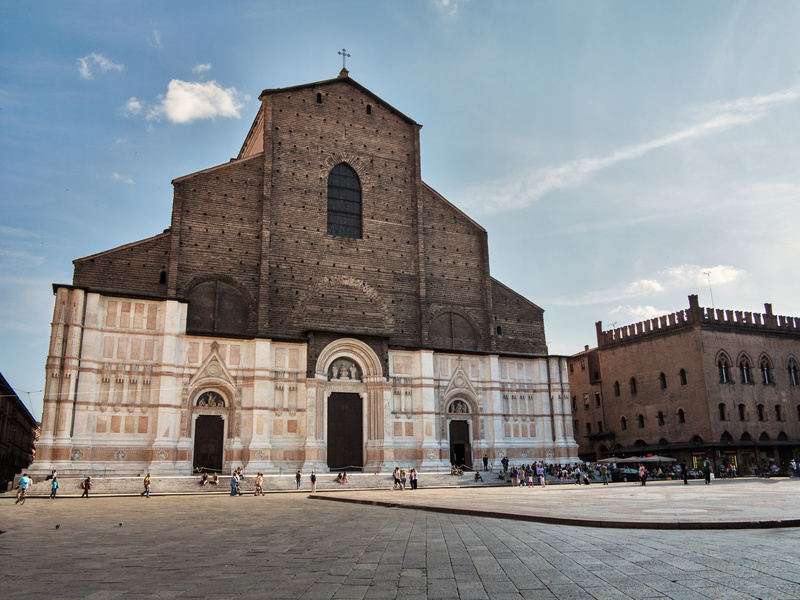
{"x": 291, "y": 546}
{"x": 727, "y": 504}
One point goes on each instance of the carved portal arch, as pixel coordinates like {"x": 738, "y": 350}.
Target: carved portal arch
{"x": 356, "y": 352}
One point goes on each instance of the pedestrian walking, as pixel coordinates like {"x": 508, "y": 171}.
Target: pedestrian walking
{"x": 54, "y": 488}
{"x": 707, "y": 470}
{"x": 298, "y": 477}
{"x": 86, "y": 485}
{"x": 413, "y": 478}
{"x": 685, "y": 473}
{"x": 146, "y": 483}
{"x": 643, "y": 474}
{"x": 604, "y": 474}
{"x": 258, "y": 484}
{"x": 485, "y": 462}
{"x": 313, "y": 479}
{"x": 235, "y": 483}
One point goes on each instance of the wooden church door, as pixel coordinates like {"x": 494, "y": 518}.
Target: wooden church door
{"x": 345, "y": 431}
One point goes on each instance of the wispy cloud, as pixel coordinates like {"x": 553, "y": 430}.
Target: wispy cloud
{"x": 202, "y": 68}
{"x": 667, "y": 282}
{"x": 155, "y": 39}
{"x": 449, "y": 6}
{"x": 20, "y": 233}
{"x": 188, "y": 101}
{"x": 122, "y": 178}
{"x": 18, "y": 259}
{"x": 89, "y": 64}
{"x": 526, "y": 188}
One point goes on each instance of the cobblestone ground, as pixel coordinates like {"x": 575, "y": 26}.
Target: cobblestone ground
{"x": 289, "y": 546}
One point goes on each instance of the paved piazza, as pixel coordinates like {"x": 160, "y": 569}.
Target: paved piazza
{"x": 287, "y": 545}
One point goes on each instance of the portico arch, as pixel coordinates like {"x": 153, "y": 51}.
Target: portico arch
{"x": 349, "y": 415}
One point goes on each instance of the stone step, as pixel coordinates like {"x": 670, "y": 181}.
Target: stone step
{"x": 71, "y": 486}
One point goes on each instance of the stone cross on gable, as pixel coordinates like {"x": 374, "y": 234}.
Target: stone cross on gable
{"x": 343, "y": 53}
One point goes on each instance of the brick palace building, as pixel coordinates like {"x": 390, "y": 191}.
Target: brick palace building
{"x": 696, "y": 383}
{"x": 313, "y": 304}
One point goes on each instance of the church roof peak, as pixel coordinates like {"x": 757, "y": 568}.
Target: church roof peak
{"x": 344, "y": 73}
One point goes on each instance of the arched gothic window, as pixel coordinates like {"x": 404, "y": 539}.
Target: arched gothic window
{"x": 681, "y": 416}
{"x": 724, "y": 368}
{"x": 761, "y": 414}
{"x": 663, "y": 380}
{"x": 683, "y": 376}
{"x": 742, "y": 412}
{"x": 722, "y": 412}
{"x": 616, "y": 388}
{"x": 660, "y": 418}
{"x": 778, "y": 413}
{"x": 765, "y": 369}
{"x": 640, "y": 420}
{"x": 633, "y": 385}
{"x": 792, "y": 369}
{"x": 623, "y": 423}
{"x": 344, "y": 202}
{"x": 744, "y": 370}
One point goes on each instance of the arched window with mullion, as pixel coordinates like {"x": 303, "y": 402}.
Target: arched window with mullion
{"x": 344, "y": 202}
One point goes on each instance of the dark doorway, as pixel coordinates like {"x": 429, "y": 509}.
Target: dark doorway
{"x": 345, "y": 440}
{"x": 460, "y": 448}
{"x": 208, "y": 437}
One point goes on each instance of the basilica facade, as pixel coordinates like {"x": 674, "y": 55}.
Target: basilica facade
{"x": 313, "y": 304}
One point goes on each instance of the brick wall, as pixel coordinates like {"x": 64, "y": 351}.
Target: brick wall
{"x": 134, "y": 268}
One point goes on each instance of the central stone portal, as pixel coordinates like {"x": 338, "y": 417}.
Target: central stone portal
{"x": 345, "y": 432}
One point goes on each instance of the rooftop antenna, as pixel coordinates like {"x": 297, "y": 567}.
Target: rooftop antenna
{"x": 708, "y": 274}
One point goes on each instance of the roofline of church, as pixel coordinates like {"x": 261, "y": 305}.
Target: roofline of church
{"x": 215, "y": 167}
{"x": 348, "y": 79}
{"x": 164, "y": 233}
{"x": 516, "y": 293}
{"x": 458, "y": 210}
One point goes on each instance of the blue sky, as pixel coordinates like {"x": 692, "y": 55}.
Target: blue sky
{"x": 616, "y": 152}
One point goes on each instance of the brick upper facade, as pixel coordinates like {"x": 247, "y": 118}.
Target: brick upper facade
{"x": 253, "y": 232}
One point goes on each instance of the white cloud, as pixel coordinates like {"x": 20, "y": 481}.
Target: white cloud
{"x": 638, "y": 313}
{"x": 644, "y": 287}
{"x": 525, "y": 188}
{"x": 187, "y": 101}
{"x": 132, "y": 107}
{"x": 121, "y": 178}
{"x": 202, "y": 68}
{"x": 87, "y": 64}
{"x": 693, "y": 274}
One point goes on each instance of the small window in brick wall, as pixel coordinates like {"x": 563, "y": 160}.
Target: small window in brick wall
{"x": 369, "y": 109}
{"x": 319, "y": 98}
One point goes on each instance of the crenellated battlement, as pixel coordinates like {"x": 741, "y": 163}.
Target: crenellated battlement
{"x": 698, "y": 315}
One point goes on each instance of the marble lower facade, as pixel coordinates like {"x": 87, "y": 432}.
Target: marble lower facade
{"x": 129, "y": 391}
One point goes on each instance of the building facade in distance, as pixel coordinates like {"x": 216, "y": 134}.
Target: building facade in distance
{"x": 18, "y": 430}
{"x": 696, "y": 383}
{"x": 314, "y": 304}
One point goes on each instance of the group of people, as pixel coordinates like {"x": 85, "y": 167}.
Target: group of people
{"x": 399, "y": 476}
{"x": 530, "y": 475}
{"x": 213, "y": 480}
